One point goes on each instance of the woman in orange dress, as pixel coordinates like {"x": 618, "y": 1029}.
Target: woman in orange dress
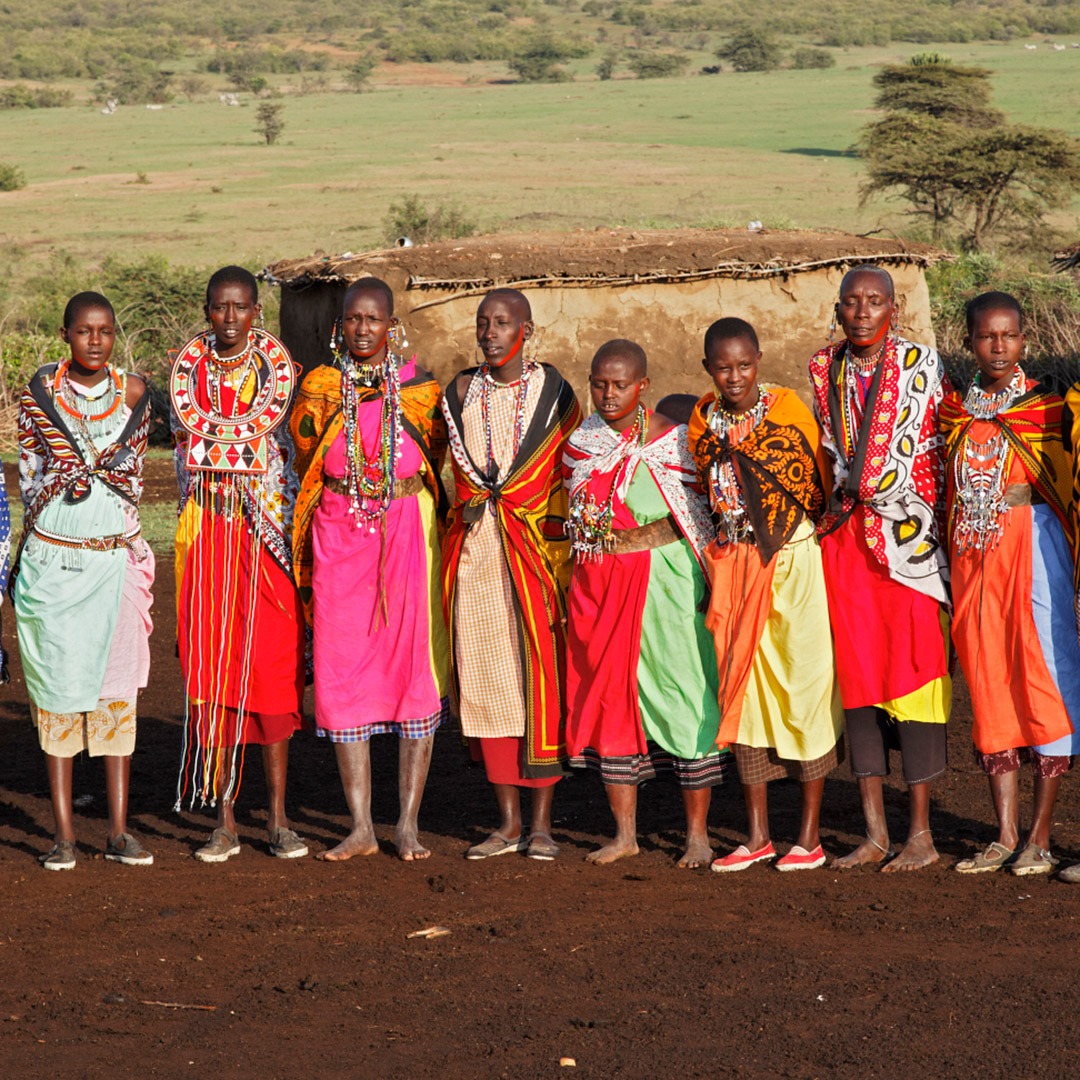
{"x": 1012, "y": 545}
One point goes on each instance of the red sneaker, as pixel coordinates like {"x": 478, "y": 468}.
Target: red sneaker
{"x": 742, "y": 857}
{"x": 798, "y": 858}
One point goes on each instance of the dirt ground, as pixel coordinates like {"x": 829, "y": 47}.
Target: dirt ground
{"x": 275, "y": 969}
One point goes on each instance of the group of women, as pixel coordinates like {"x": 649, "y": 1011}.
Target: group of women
{"x": 735, "y": 582}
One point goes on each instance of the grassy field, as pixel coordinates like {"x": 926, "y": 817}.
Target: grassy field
{"x": 692, "y": 150}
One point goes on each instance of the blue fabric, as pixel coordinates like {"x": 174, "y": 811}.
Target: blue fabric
{"x": 1055, "y": 618}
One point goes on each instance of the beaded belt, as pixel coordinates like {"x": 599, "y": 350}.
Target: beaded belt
{"x": 88, "y": 543}
{"x": 1022, "y": 495}
{"x": 404, "y": 488}
{"x": 645, "y": 537}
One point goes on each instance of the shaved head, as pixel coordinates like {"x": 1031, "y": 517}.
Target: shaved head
{"x": 621, "y": 349}
{"x": 372, "y": 286}
{"x": 516, "y": 301}
{"x": 869, "y": 268}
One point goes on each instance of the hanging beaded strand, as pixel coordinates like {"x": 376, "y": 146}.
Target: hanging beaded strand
{"x": 724, "y": 492}
{"x": 588, "y": 522}
{"x": 521, "y": 395}
{"x": 370, "y": 481}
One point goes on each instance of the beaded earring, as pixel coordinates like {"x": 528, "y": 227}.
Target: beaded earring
{"x": 396, "y": 335}
{"x": 337, "y": 339}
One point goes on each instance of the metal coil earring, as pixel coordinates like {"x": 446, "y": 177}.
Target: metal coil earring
{"x": 832, "y": 329}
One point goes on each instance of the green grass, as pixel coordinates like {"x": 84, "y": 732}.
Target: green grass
{"x": 691, "y": 150}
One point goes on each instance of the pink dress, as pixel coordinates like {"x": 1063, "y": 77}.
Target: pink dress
{"x": 378, "y": 666}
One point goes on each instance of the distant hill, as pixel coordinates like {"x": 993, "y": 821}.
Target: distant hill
{"x": 91, "y": 39}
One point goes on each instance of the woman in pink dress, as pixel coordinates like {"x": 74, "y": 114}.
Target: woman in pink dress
{"x": 365, "y": 552}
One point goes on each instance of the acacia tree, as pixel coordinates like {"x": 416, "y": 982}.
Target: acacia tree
{"x": 953, "y": 158}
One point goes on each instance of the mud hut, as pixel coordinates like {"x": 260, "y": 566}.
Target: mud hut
{"x": 660, "y": 288}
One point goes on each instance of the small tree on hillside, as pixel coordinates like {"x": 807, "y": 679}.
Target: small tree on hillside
{"x": 953, "y": 158}
{"x": 269, "y": 122}
{"x": 360, "y": 71}
{"x": 751, "y": 50}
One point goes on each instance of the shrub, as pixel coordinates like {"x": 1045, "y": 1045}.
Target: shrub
{"x": 751, "y": 50}
{"x": 269, "y": 122}
{"x": 11, "y": 177}
{"x": 808, "y": 57}
{"x": 646, "y": 64}
{"x": 420, "y": 224}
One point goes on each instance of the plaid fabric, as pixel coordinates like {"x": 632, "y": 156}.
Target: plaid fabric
{"x": 487, "y": 652}
{"x": 407, "y": 729}
{"x": 1044, "y": 766}
{"x": 760, "y": 764}
{"x": 703, "y": 772}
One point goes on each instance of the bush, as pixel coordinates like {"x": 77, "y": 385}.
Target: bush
{"x": 807, "y": 58}
{"x": 21, "y": 96}
{"x": 646, "y": 64}
{"x": 1051, "y": 305}
{"x": 538, "y": 59}
{"x": 751, "y": 50}
{"x": 413, "y": 219}
{"x": 11, "y": 177}
{"x": 269, "y": 122}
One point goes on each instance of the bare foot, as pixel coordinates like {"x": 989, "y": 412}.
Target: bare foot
{"x": 609, "y": 853}
{"x": 918, "y": 852}
{"x": 356, "y": 843}
{"x": 698, "y": 853}
{"x": 408, "y": 844}
{"x": 867, "y": 853}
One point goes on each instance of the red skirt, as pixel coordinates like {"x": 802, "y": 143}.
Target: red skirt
{"x": 235, "y": 612}
{"x": 888, "y": 637}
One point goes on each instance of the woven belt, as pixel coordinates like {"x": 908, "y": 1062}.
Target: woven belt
{"x": 1022, "y": 495}
{"x": 404, "y": 488}
{"x": 88, "y": 543}
{"x": 646, "y": 537}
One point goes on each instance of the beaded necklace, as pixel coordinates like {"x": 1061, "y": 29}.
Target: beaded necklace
{"x": 90, "y": 413}
{"x": 588, "y": 522}
{"x": 233, "y": 372}
{"x": 370, "y": 480}
{"x": 521, "y": 395}
{"x": 981, "y": 471}
{"x": 857, "y": 369}
{"x": 724, "y": 492}
{"x": 983, "y": 406}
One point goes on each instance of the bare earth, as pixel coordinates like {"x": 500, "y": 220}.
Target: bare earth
{"x": 636, "y": 969}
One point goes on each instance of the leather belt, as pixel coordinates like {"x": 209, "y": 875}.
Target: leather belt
{"x": 646, "y": 537}
{"x": 404, "y": 488}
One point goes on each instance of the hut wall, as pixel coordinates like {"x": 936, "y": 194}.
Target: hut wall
{"x": 791, "y": 316}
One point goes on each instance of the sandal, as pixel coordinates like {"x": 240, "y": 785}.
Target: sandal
{"x": 542, "y": 847}
{"x": 60, "y": 857}
{"x": 127, "y": 850}
{"x": 993, "y": 858}
{"x": 221, "y": 846}
{"x": 1033, "y": 860}
{"x": 285, "y": 844}
{"x": 495, "y": 845}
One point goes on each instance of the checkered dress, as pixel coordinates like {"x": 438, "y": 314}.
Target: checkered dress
{"x": 486, "y": 637}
